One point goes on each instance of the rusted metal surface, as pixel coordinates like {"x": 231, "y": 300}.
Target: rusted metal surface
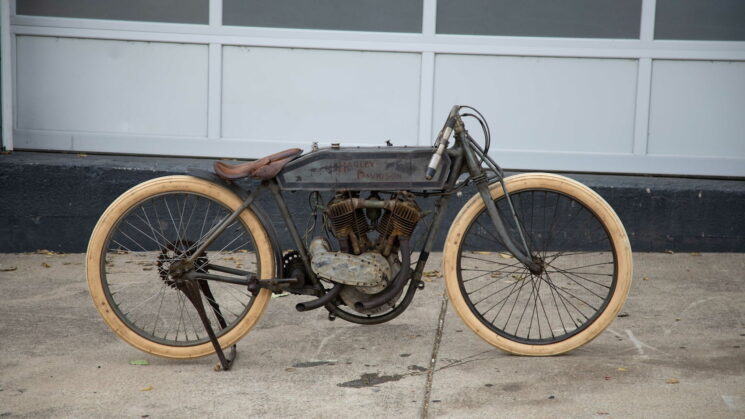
{"x": 370, "y": 270}
{"x": 397, "y": 223}
{"x": 363, "y": 168}
{"x": 349, "y": 223}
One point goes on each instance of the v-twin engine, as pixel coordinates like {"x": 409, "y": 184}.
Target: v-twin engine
{"x": 370, "y": 270}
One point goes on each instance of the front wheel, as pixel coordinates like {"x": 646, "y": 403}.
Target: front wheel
{"x": 134, "y": 256}
{"x": 575, "y": 237}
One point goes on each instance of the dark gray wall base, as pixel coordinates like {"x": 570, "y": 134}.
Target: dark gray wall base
{"x": 52, "y": 201}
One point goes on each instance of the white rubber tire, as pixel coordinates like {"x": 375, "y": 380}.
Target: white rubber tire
{"x": 591, "y": 200}
{"x": 140, "y": 193}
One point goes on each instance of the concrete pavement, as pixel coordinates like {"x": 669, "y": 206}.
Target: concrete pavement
{"x": 679, "y": 351}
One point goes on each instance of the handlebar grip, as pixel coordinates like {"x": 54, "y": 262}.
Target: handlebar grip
{"x": 434, "y": 163}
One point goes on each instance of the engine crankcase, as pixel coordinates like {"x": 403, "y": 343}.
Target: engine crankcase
{"x": 351, "y": 295}
{"x": 370, "y": 272}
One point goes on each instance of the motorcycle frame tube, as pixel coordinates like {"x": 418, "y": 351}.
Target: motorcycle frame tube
{"x": 456, "y": 169}
{"x": 279, "y": 200}
{"x": 223, "y": 225}
{"x": 244, "y": 194}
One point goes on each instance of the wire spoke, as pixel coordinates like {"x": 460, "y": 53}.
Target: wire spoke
{"x": 558, "y": 289}
{"x": 493, "y": 261}
{"x": 563, "y": 272}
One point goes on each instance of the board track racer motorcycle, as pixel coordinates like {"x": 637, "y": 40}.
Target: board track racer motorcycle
{"x": 535, "y": 264}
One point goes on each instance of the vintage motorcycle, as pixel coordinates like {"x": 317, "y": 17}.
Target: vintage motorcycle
{"x": 535, "y": 264}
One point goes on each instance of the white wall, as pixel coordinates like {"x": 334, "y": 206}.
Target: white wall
{"x": 596, "y": 105}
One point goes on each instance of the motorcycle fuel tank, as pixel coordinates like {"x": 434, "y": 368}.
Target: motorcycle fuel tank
{"x": 363, "y": 168}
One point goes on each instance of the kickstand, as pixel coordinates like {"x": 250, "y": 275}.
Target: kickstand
{"x": 192, "y": 291}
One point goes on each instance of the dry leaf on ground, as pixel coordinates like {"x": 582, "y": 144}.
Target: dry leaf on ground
{"x": 46, "y": 252}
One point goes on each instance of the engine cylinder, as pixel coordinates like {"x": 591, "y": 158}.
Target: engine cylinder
{"x": 348, "y": 222}
{"x": 400, "y": 221}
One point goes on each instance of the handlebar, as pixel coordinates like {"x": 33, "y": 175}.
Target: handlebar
{"x": 442, "y": 142}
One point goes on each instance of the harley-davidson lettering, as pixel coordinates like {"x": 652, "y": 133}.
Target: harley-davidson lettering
{"x": 362, "y": 175}
{"x": 347, "y": 166}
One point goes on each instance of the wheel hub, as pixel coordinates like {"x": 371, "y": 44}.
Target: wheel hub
{"x": 539, "y": 266}
{"x": 172, "y": 261}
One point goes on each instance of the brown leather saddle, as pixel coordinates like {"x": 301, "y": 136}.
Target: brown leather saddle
{"x": 263, "y": 168}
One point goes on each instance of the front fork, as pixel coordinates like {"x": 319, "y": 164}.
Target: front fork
{"x": 478, "y": 176}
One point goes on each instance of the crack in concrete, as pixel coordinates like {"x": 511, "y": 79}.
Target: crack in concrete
{"x": 466, "y": 360}
{"x": 433, "y": 359}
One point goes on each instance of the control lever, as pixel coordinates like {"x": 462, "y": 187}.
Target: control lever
{"x": 442, "y": 143}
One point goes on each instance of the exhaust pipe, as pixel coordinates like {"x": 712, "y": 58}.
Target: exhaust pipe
{"x": 322, "y": 301}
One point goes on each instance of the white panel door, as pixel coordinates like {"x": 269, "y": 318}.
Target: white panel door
{"x": 697, "y": 108}
{"x": 121, "y": 87}
{"x": 299, "y": 95}
{"x": 543, "y": 104}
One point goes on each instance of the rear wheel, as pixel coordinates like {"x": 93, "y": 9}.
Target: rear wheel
{"x": 137, "y": 248}
{"x": 585, "y": 261}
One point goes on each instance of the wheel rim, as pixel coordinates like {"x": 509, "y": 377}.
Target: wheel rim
{"x": 574, "y": 288}
{"x": 151, "y": 238}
